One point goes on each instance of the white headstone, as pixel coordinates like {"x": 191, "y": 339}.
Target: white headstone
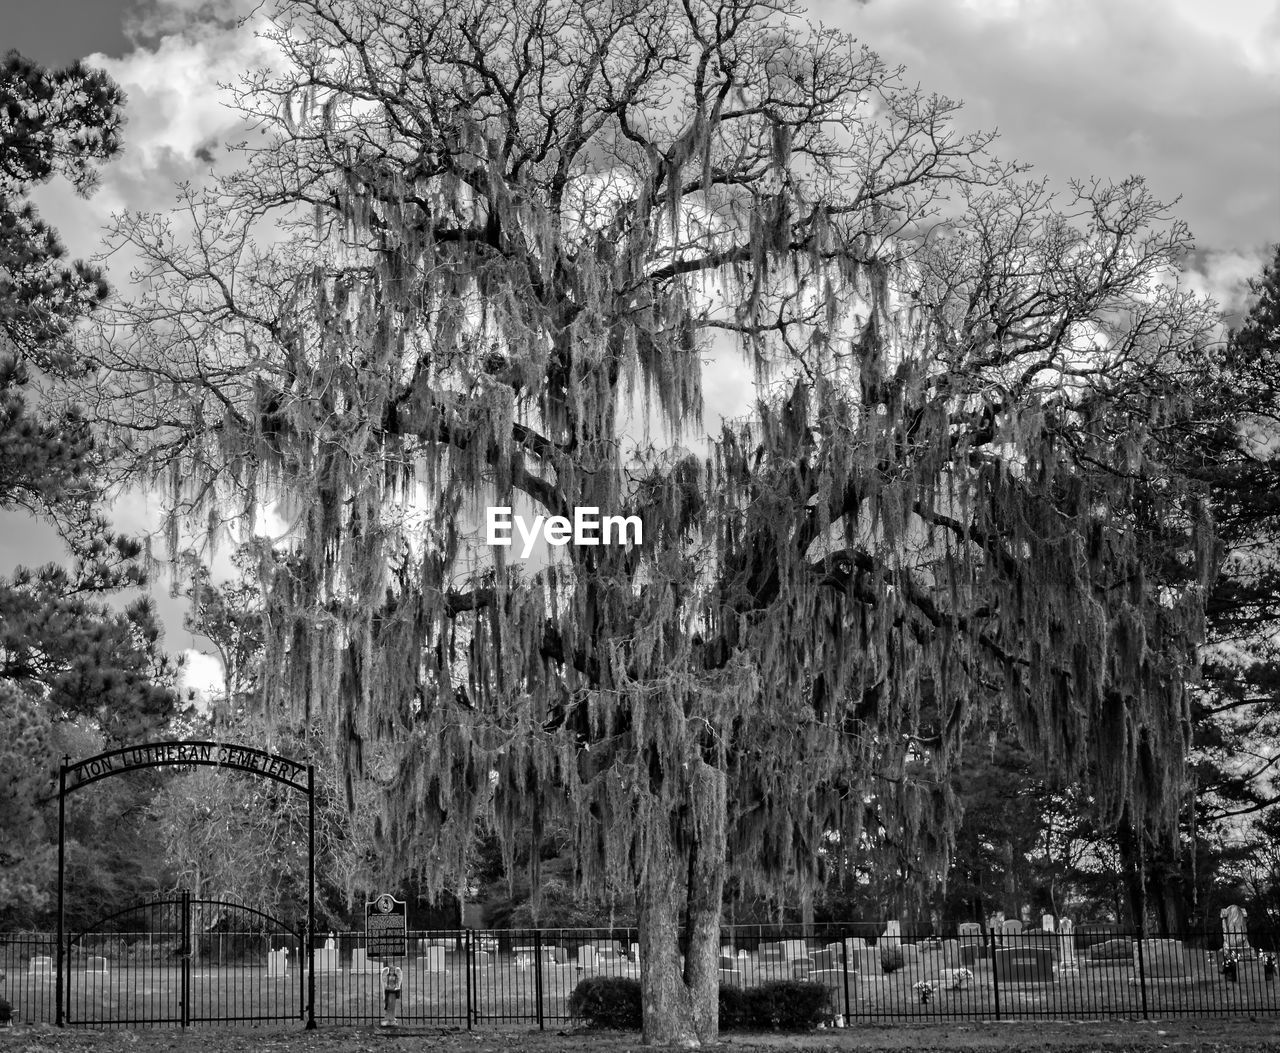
{"x": 362, "y": 963}
{"x": 327, "y": 959}
{"x": 1067, "y": 942}
{"x": 278, "y": 963}
{"x": 1048, "y": 922}
{"x": 587, "y": 957}
{"x": 96, "y": 964}
{"x": 795, "y": 950}
{"x": 433, "y": 960}
{"x": 1234, "y": 928}
{"x": 41, "y": 967}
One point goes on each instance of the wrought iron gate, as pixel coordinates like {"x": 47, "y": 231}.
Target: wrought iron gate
{"x": 184, "y": 961}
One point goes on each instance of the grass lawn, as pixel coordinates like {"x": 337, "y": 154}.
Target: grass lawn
{"x": 1213, "y": 1036}
{"x": 506, "y": 994}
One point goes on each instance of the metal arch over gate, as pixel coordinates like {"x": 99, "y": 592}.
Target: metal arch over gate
{"x": 73, "y": 776}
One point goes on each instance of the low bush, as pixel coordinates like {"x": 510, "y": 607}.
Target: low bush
{"x": 614, "y": 1002}
{"x": 607, "y": 1002}
{"x": 735, "y": 1009}
{"x": 891, "y": 957}
{"x": 786, "y": 1005}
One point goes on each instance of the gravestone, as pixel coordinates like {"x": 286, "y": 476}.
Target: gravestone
{"x": 362, "y": 963}
{"x": 1162, "y": 960}
{"x": 854, "y": 944}
{"x": 951, "y": 954}
{"x": 1048, "y": 923}
{"x": 41, "y": 967}
{"x": 327, "y": 958}
{"x": 801, "y": 968}
{"x": 481, "y": 958}
{"x": 892, "y": 934}
{"x": 278, "y": 964}
{"x": 587, "y": 957}
{"x": 1235, "y": 929}
{"x": 1011, "y": 927}
{"x": 865, "y": 961}
{"x": 826, "y": 959}
{"x": 969, "y": 929}
{"x": 433, "y": 960}
{"x": 96, "y": 964}
{"x": 795, "y": 950}
{"x": 1024, "y": 965}
{"x": 1067, "y": 962}
{"x": 1117, "y": 950}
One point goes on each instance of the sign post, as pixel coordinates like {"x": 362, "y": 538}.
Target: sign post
{"x": 386, "y": 937}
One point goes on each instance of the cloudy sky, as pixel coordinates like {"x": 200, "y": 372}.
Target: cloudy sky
{"x": 1185, "y": 92}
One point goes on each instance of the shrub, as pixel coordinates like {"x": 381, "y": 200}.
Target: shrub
{"x": 891, "y": 956}
{"x": 787, "y": 1005}
{"x": 735, "y": 1009}
{"x": 607, "y": 1001}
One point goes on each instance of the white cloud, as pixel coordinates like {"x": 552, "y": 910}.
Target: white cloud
{"x": 178, "y": 122}
{"x": 1225, "y": 275}
{"x": 201, "y": 673}
{"x": 1182, "y": 92}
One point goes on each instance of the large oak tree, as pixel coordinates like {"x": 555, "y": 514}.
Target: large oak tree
{"x": 479, "y": 256}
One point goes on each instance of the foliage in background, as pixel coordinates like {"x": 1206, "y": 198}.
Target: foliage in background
{"x": 73, "y": 667}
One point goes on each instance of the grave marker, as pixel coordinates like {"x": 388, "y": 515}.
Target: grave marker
{"x": 386, "y": 927}
{"x": 277, "y": 964}
{"x": 1024, "y": 965}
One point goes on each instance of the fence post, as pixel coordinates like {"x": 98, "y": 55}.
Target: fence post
{"x": 186, "y": 957}
{"x": 995, "y": 971}
{"x": 470, "y": 995}
{"x": 844, "y": 966}
{"x": 537, "y": 976}
{"x": 1142, "y": 973}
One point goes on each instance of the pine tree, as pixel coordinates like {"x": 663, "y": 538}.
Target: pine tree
{"x": 515, "y": 226}
{"x": 67, "y": 659}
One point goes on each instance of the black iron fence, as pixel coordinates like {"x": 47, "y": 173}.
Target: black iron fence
{"x": 487, "y": 978}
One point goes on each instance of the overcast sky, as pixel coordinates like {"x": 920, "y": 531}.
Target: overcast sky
{"x": 1185, "y": 92}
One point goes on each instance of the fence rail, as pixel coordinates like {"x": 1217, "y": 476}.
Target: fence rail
{"x": 472, "y": 978}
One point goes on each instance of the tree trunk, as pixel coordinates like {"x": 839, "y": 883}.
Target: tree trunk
{"x": 706, "y": 899}
{"x": 667, "y": 1004}
{"x": 681, "y": 1007}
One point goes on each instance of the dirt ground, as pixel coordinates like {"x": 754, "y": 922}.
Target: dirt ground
{"x": 1199, "y": 1036}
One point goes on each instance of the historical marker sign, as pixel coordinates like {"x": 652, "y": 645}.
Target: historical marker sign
{"x": 386, "y": 927}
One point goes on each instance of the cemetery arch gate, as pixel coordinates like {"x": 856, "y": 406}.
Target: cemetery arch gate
{"x": 294, "y": 774}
